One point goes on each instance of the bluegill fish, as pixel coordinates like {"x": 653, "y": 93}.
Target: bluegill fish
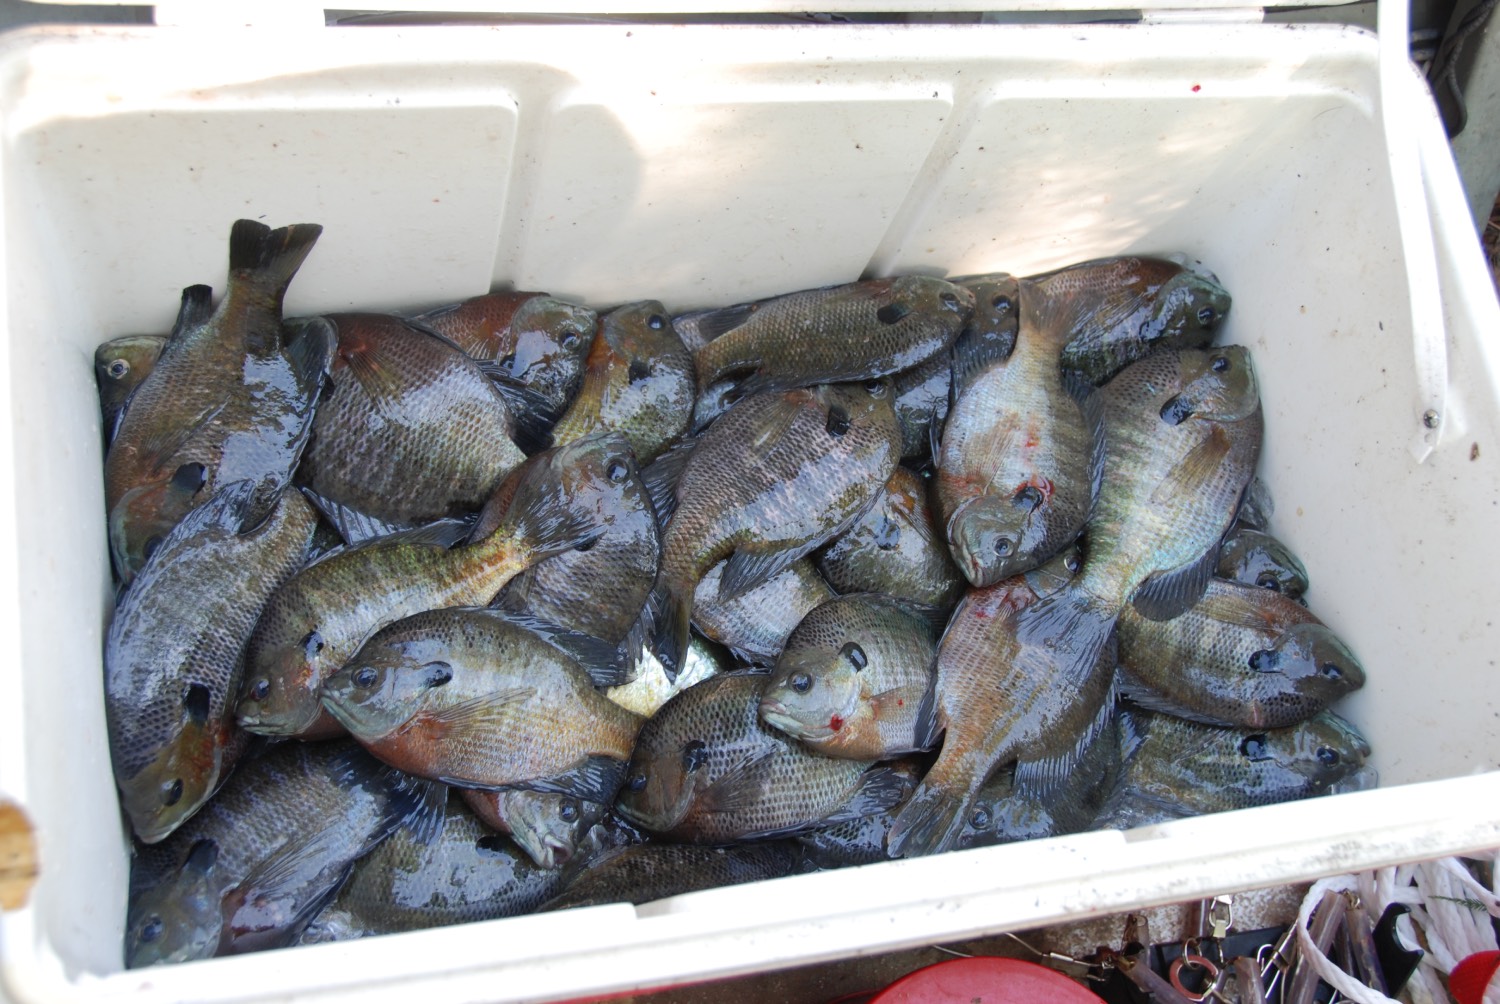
{"x": 852, "y": 679}
{"x": 317, "y": 619}
{"x": 1001, "y": 696}
{"x": 469, "y": 697}
{"x": 535, "y": 339}
{"x": 895, "y": 548}
{"x": 641, "y": 873}
{"x": 1017, "y": 458}
{"x": 230, "y": 399}
{"x": 839, "y": 333}
{"x": 172, "y": 656}
{"x": 464, "y": 873}
{"x": 1259, "y": 559}
{"x": 1120, "y": 309}
{"x": 549, "y": 826}
{"x": 773, "y": 479}
{"x": 120, "y": 365}
{"x": 706, "y": 770}
{"x": 413, "y": 430}
{"x": 250, "y": 869}
{"x": 1176, "y": 768}
{"x": 1242, "y": 655}
{"x": 638, "y": 381}
{"x": 755, "y": 624}
{"x": 921, "y": 396}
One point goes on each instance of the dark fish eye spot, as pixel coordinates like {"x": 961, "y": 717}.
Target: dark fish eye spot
{"x": 892, "y": 312}
{"x": 149, "y": 548}
{"x": 568, "y": 811}
{"x": 1254, "y": 748}
{"x": 438, "y": 674}
{"x": 260, "y": 689}
{"x": 637, "y": 782}
{"x": 587, "y": 545}
{"x": 1220, "y": 364}
{"x": 118, "y": 369}
{"x": 838, "y": 422}
{"x": 171, "y": 792}
{"x": 364, "y": 677}
{"x": 1029, "y": 497}
{"x": 1177, "y": 410}
{"x": 1330, "y": 671}
{"x": 694, "y": 755}
{"x": 855, "y": 655}
{"x": 639, "y": 370}
{"x": 1004, "y": 546}
{"x": 508, "y": 362}
{"x": 951, "y": 299}
{"x": 1265, "y": 661}
{"x": 151, "y": 930}
{"x": 190, "y": 478}
{"x": 617, "y": 470}
{"x": 980, "y": 820}
{"x": 195, "y": 702}
{"x": 800, "y": 682}
{"x": 889, "y": 534}
{"x": 491, "y": 844}
{"x": 570, "y": 339}
{"x": 1001, "y": 303}
{"x": 1266, "y": 580}
{"x": 656, "y": 322}
{"x": 1327, "y": 756}
{"x": 1207, "y": 316}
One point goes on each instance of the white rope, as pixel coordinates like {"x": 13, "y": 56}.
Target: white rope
{"x": 1308, "y": 951}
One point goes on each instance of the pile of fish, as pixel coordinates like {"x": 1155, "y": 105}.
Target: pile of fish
{"x": 511, "y": 606}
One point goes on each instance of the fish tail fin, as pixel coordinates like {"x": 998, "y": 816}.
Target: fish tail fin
{"x": 929, "y": 823}
{"x": 673, "y": 627}
{"x": 270, "y": 257}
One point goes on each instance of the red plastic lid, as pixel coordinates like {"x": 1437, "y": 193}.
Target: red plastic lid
{"x": 985, "y": 980}
{"x": 1472, "y": 976}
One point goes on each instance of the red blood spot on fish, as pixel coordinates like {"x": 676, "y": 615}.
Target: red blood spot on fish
{"x": 900, "y": 703}
{"x": 835, "y": 723}
{"x": 1041, "y": 484}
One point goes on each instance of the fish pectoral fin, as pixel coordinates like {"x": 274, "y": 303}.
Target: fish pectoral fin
{"x": 880, "y": 788}
{"x": 532, "y": 415}
{"x": 1244, "y": 606}
{"x": 743, "y": 785}
{"x": 380, "y": 377}
{"x": 1040, "y": 776}
{"x": 747, "y": 569}
{"x": 481, "y": 711}
{"x": 1198, "y": 467}
{"x": 664, "y": 474}
{"x": 296, "y": 866}
{"x": 977, "y": 352}
{"x": 1169, "y": 594}
{"x": 597, "y": 779}
{"x": 352, "y": 525}
{"x": 162, "y": 445}
{"x": 931, "y": 723}
{"x": 771, "y": 429}
{"x": 1132, "y": 688}
{"x": 595, "y": 656}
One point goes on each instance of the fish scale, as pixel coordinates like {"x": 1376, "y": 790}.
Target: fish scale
{"x": 644, "y": 872}
{"x": 792, "y": 788}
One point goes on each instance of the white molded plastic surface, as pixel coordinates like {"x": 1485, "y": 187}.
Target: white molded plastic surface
{"x": 704, "y": 166}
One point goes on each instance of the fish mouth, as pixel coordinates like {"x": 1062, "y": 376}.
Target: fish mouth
{"x": 774, "y": 714}
{"x": 1364, "y": 779}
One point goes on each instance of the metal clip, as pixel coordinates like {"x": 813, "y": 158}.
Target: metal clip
{"x": 1220, "y": 917}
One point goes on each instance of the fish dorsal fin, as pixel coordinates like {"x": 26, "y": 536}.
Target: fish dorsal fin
{"x": 354, "y": 526}
{"x": 664, "y": 474}
{"x": 443, "y": 533}
{"x": 714, "y": 324}
{"x": 1134, "y": 690}
{"x": 747, "y": 568}
{"x": 1041, "y": 777}
{"x": 1172, "y": 593}
{"x": 742, "y": 786}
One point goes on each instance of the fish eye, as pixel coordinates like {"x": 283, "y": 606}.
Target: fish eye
{"x": 1072, "y": 562}
{"x": 874, "y": 386}
{"x": 950, "y": 299}
{"x": 1001, "y": 303}
{"x": 616, "y": 469}
{"x": 190, "y": 478}
{"x": 1207, "y": 316}
{"x": 151, "y": 930}
{"x": 656, "y": 322}
{"x": 892, "y": 312}
{"x": 260, "y": 689}
{"x": 568, "y": 811}
{"x": 149, "y": 548}
{"x": 856, "y": 655}
{"x": 1254, "y": 747}
{"x": 1330, "y": 671}
{"x": 171, "y": 792}
{"x": 508, "y": 362}
{"x": 1004, "y": 546}
{"x": 980, "y": 820}
{"x": 693, "y": 755}
{"x": 1220, "y": 364}
{"x": 1030, "y": 497}
{"x": 570, "y": 339}
{"x": 118, "y": 369}
{"x": 637, "y": 782}
{"x": 364, "y": 677}
{"x": 1327, "y": 756}
{"x": 800, "y": 682}
{"x": 1267, "y": 580}
{"x": 312, "y": 644}
{"x": 1265, "y": 661}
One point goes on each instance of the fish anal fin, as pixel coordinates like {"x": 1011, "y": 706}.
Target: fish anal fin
{"x": 1040, "y": 776}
